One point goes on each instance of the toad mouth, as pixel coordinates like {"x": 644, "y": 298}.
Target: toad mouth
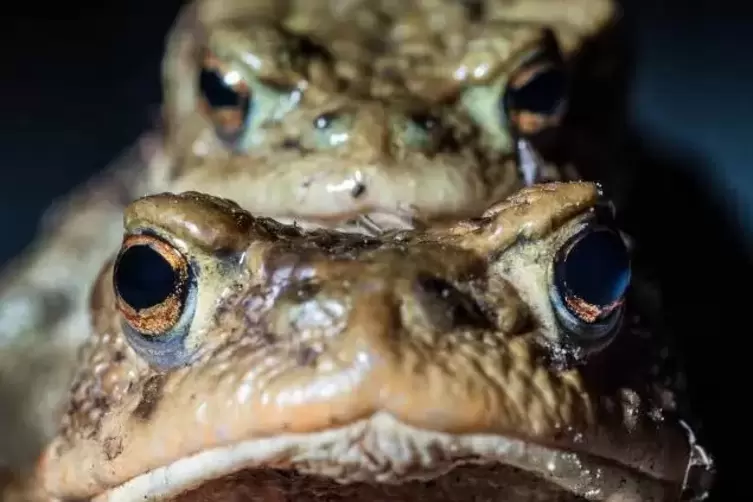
{"x": 382, "y": 459}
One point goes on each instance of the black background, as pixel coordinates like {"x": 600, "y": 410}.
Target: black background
{"x": 82, "y": 81}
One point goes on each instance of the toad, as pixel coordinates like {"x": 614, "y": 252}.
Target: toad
{"x": 386, "y": 113}
{"x": 498, "y": 358}
{"x": 359, "y": 115}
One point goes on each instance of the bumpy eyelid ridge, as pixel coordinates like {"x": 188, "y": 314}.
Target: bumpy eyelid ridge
{"x": 531, "y": 213}
{"x": 257, "y": 61}
{"x": 209, "y": 224}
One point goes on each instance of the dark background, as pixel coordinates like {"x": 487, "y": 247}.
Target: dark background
{"x": 82, "y": 81}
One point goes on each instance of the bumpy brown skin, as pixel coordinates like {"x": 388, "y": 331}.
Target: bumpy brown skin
{"x": 375, "y": 63}
{"x": 43, "y": 297}
{"x": 333, "y": 356}
{"x": 374, "y": 71}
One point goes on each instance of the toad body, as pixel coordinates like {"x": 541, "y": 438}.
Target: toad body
{"x": 364, "y": 116}
{"x": 496, "y": 358}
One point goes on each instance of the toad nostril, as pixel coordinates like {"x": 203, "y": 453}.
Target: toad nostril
{"x": 425, "y": 121}
{"x": 332, "y": 129}
{"x": 325, "y": 120}
{"x": 358, "y": 190}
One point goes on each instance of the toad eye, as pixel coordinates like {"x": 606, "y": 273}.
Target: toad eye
{"x": 591, "y": 277}
{"x": 155, "y": 291}
{"x": 535, "y": 97}
{"x": 225, "y": 98}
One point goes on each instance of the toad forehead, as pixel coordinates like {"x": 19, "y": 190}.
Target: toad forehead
{"x": 384, "y": 289}
{"x": 385, "y": 50}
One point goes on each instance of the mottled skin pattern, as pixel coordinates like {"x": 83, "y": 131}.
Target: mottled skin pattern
{"x": 380, "y": 108}
{"x": 298, "y": 360}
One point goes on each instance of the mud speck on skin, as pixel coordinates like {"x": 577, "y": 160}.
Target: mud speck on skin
{"x": 112, "y": 447}
{"x": 150, "y": 396}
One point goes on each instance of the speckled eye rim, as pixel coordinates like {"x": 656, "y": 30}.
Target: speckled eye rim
{"x": 159, "y": 318}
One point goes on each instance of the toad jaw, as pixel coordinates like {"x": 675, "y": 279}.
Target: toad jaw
{"x": 404, "y": 460}
{"x": 386, "y": 405}
{"x": 384, "y": 451}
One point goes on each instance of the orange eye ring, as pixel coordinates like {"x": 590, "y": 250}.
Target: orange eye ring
{"x": 224, "y": 98}
{"x": 151, "y": 280}
{"x": 535, "y": 97}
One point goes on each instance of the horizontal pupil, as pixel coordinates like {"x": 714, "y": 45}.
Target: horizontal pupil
{"x": 217, "y": 93}
{"x": 542, "y": 94}
{"x": 229, "y": 108}
{"x": 143, "y": 278}
{"x": 596, "y": 269}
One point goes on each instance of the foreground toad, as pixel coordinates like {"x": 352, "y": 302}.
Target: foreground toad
{"x": 368, "y": 115}
{"x": 236, "y": 358}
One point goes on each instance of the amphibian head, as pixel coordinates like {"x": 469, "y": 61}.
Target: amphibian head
{"x": 383, "y": 112}
{"x": 237, "y": 358}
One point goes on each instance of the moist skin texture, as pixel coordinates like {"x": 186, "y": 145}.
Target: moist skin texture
{"x": 380, "y": 108}
{"x": 432, "y": 364}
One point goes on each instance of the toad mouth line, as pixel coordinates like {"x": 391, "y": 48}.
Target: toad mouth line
{"x": 384, "y": 451}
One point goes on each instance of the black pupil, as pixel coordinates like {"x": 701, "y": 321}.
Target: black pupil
{"x": 143, "y": 278}
{"x": 221, "y": 96}
{"x": 217, "y": 93}
{"x": 542, "y": 94}
{"x": 596, "y": 269}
